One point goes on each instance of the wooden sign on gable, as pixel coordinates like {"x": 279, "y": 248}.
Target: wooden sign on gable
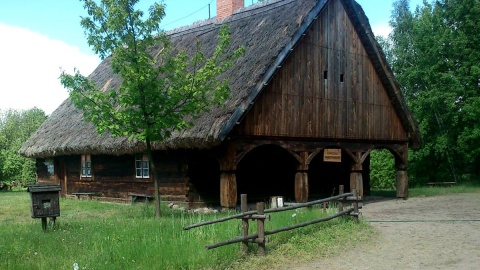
{"x": 332, "y": 155}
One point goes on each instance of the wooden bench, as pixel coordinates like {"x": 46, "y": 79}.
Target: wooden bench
{"x": 135, "y": 196}
{"x": 79, "y": 194}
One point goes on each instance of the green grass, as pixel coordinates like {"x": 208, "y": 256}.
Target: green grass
{"x": 98, "y": 235}
{"x": 431, "y": 190}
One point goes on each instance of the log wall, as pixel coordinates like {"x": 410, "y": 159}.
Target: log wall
{"x": 43, "y": 175}
{"x": 327, "y": 88}
{"x": 114, "y": 176}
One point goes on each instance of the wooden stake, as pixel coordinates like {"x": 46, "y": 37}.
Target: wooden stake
{"x": 244, "y": 208}
{"x": 355, "y": 206}
{"x": 261, "y": 229}
{"x": 44, "y": 223}
{"x": 341, "y": 190}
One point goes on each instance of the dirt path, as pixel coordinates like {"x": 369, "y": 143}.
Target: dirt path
{"x": 440, "y": 232}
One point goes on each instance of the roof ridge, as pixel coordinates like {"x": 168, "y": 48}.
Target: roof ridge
{"x": 201, "y": 25}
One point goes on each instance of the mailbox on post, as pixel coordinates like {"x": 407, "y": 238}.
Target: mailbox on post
{"x": 45, "y": 203}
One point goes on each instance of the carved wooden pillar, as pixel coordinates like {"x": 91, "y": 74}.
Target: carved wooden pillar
{"x": 402, "y": 176}
{"x": 356, "y": 178}
{"x": 228, "y": 179}
{"x": 301, "y": 180}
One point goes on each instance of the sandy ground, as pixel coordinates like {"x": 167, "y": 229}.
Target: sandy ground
{"x": 440, "y": 232}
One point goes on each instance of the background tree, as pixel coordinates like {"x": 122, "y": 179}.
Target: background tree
{"x": 435, "y": 57}
{"x": 382, "y": 170}
{"x": 159, "y": 93}
{"x": 15, "y": 128}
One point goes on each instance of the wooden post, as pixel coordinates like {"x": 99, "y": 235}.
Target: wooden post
{"x": 356, "y": 178}
{"x": 44, "y": 223}
{"x": 301, "y": 187}
{"x": 301, "y": 180}
{"x": 355, "y": 205}
{"x": 341, "y": 190}
{"x": 228, "y": 189}
{"x": 401, "y": 163}
{"x": 402, "y": 184}
{"x": 402, "y": 177}
{"x": 261, "y": 229}
{"x": 244, "y": 208}
{"x": 228, "y": 179}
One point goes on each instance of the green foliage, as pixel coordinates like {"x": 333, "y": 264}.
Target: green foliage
{"x": 15, "y": 128}
{"x": 382, "y": 170}
{"x": 435, "y": 57}
{"x": 99, "y": 235}
{"x": 162, "y": 89}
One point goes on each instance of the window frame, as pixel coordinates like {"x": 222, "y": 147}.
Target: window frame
{"x": 142, "y": 166}
{"x": 86, "y": 170}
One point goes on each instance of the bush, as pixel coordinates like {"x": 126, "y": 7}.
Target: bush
{"x": 382, "y": 170}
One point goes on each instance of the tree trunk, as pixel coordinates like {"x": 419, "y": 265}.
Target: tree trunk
{"x": 155, "y": 178}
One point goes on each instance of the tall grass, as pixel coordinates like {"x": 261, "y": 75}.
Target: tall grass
{"x": 98, "y": 235}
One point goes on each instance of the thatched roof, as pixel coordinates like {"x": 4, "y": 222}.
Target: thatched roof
{"x": 268, "y": 31}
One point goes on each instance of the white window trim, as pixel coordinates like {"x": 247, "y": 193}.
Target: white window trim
{"x": 85, "y": 166}
{"x": 144, "y": 168}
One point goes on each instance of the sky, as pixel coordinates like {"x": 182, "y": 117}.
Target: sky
{"x": 40, "y": 38}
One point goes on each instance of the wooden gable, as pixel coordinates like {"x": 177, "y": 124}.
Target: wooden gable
{"x": 326, "y": 88}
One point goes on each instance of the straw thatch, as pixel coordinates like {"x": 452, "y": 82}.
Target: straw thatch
{"x": 268, "y": 31}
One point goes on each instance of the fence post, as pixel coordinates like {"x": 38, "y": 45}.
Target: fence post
{"x": 261, "y": 229}
{"x": 244, "y": 208}
{"x": 340, "y": 192}
{"x": 355, "y": 205}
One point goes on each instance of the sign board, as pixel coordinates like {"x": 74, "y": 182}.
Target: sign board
{"x": 332, "y": 155}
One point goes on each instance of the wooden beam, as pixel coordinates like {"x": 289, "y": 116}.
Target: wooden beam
{"x": 228, "y": 189}
{"x": 356, "y": 178}
{"x": 301, "y": 187}
{"x": 228, "y": 179}
{"x": 402, "y": 184}
{"x": 402, "y": 176}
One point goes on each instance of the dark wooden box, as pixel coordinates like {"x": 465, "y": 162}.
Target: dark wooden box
{"x": 45, "y": 200}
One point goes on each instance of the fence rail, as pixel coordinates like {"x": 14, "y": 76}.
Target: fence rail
{"x": 259, "y": 215}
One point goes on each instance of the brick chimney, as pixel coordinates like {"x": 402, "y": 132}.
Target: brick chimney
{"x": 226, "y": 8}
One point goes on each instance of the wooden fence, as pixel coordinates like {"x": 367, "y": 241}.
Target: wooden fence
{"x": 260, "y": 217}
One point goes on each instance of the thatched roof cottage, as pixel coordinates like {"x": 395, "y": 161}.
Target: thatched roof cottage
{"x": 310, "y": 99}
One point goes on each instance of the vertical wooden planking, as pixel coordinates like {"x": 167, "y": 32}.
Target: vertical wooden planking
{"x": 309, "y": 49}
{"x": 330, "y": 74}
{"x": 316, "y": 85}
{"x": 337, "y": 47}
{"x": 343, "y": 72}
{"x": 299, "y": 102}
{"x": 299, "y": 72}
{"x": 283, "y": 105}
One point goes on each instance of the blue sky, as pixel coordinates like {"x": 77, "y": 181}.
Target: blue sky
{"x": 41, "y": 37}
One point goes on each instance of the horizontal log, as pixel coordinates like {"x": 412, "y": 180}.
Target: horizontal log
{"x": 241, "y": 215}
{"x": 255, "y": 236}
{"x": 266, "y": 217}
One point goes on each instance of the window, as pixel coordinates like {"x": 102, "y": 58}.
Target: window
{"x": 50, "y": 167}
{"x": 86, "y": 166}
{"x": 142, "y": 168}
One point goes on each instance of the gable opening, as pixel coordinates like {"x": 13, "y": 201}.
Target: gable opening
{"x": 324, "y": 177}
{"x": 267, "y": 171}
{"x": 204, "y": 173}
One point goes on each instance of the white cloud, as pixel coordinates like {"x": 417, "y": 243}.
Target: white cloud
{"x": 381, "y": 29}
{"x": 30, "y": 66}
